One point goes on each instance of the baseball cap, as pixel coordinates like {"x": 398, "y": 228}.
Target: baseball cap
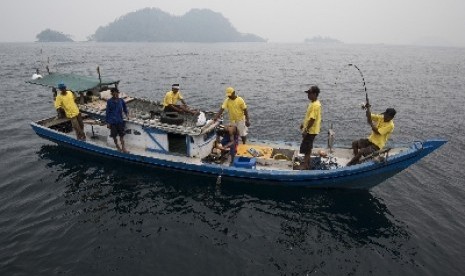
{"x": 229, "y": 91}
{"x": 314, "y": 89}
{"x": 390, "y": 111}
{"x": 61, "y": 86}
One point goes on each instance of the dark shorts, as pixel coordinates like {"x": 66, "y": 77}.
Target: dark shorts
{"x": 307, "y": 143}
{"x": 117, "y": 130}
{"x": 169, "y": 108}
{"x": 366, "y": 147}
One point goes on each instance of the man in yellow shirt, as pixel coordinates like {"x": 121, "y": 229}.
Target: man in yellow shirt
{"x": 171, "y": 99}
{"x": 237, "y": 109}
{"x": 310, "y": 126}
{"x": 65, "y": 100}
{"x": 382, "y": 125}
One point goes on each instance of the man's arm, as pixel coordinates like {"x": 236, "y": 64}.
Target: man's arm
{"x": 125, "y": 108}
{"x": 368, "y": 113}
{"x": 372, "y": 124}
{"x": 246, "y": 114}
{"x": 231, "y": 140}
{"x": 57, "y": 102}
{"x": 310, "y": 124}
{"x": 370, "y": 121}
{"x": 218, "y": 114}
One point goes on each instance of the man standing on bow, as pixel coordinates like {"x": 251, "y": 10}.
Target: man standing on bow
{"x": 237, "y": 109}
{"x": 65, "y": 101}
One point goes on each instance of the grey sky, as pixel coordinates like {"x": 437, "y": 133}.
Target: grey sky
{"x": 351, "y": 21}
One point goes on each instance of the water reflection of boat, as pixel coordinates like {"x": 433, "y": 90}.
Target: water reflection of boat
{"x": 356, "y": 215}
{"x": 183, "y": 145}
{"x": 165, "y": 210}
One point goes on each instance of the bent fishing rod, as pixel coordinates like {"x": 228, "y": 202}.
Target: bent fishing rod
{"x": 361, "y": 74}
{"x": 363, "y": 79}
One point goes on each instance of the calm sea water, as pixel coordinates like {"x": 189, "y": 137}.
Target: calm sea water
{"x": 64, "y": 212}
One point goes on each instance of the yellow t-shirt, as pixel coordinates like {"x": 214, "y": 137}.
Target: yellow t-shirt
{"x": 313, "y": 112}
{"x": 172, "y": 98}
{"x": 235, "y": 109}
{"x": 67, "y": 103}
{"x": 384, "y": 128}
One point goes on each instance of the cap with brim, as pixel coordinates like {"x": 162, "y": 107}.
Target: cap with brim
{"x": 390, "y": 111}
{"x": 175, "y": 86}
{"x": 313, "y": 89}
{"x": 229, "y": 91}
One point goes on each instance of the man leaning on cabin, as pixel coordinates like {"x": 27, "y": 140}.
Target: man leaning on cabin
{"x": 237, "y": 109}
{"x": 65, "y": 101}
{"x": 382, "y": 125}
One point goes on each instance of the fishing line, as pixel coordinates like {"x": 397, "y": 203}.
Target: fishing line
{"x": 361, "y": 74}
{"x": 331, "y": 132}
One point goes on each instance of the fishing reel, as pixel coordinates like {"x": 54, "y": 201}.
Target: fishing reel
{"x": 364, "y": 106}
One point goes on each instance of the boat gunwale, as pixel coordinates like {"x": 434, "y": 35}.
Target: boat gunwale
{"x": 294, "y": 176}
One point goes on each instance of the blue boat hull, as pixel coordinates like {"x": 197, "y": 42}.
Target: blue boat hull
{"x": 363, "y": 176}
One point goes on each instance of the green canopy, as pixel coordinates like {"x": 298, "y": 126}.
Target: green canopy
{"x": 73, "y": 82}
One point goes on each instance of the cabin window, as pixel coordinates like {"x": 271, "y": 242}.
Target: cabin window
{"x": 177, "y": 143}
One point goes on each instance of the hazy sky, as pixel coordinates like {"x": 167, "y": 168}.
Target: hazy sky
{"x": 351, "y": 21}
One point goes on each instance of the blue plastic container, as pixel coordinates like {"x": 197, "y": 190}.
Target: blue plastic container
{"x": 245, "y": 162}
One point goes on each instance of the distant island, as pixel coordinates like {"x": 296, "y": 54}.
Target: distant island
{"x": 320, "y": 39}
{"x": 53, "y": 36}
{"x": 154, "y": 25}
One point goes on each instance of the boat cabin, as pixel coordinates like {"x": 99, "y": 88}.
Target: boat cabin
{"x": 148, "y": 127}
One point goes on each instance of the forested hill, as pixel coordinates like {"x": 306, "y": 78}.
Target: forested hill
{"x": 154, "y": 25}
{"x": 53, "y": 36}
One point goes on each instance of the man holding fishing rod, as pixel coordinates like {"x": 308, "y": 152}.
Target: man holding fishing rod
{"x": 382, "y": 125}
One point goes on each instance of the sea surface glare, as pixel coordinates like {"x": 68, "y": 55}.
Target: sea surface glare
{"x": 64, "y": 212}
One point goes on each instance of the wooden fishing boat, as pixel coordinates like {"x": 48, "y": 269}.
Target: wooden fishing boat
{"x": 179, "y": 142}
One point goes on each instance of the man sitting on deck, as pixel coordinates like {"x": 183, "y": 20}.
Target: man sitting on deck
{"x": 382, "y": 125}
{"x": 172, "y": 97}
{"x": 227, "y": 139}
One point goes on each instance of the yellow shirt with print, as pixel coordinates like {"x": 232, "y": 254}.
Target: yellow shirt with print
{"x": 235, "y": 109}
{"x": 313, "y": 112}
{"x": 171, "y": 98}
{"x": 67, "y": 103}
{"x": 384, "y": 128}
